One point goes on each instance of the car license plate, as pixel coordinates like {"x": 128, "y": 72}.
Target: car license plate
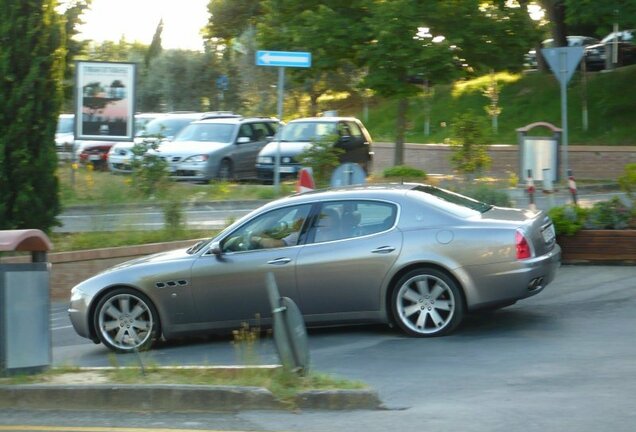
{"x": 286, "y": 169}
{"x": 94, "y": 157}
{"x": 548, "y": 233}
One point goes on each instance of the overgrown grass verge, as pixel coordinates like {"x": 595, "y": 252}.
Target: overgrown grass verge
{"x": 64, "y": 242}
{"x": 81, "y": 185}
{"x": 283, "y": 384}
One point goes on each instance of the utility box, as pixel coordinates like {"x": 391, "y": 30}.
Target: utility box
{"x": 25, "y": 330}
{"x": 539, "y": 154}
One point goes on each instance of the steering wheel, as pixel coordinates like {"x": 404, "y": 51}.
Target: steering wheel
{"x": 248, "y": 241}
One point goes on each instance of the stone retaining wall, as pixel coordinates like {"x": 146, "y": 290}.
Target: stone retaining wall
{"x": 587, "y": 162}
{"x": 70, "y": 268}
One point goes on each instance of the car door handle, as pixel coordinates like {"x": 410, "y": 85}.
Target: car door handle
{"x": 279, "y": 261}
{"x": 383, "y": 249}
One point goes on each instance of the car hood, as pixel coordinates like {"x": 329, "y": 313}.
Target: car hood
{"x": 189, "y": 148}
{"x": 157, "y": 258}
{"x": 287, "y": 148}
{"x": 599, "y": 46}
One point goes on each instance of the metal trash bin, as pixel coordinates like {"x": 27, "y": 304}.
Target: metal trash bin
{"x": 539, "y": 154}
{"x": 25, "y": 330}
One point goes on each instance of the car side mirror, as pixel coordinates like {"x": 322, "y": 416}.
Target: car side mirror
{"x": 242, "y": 140}
{"x": 215, "y": 249}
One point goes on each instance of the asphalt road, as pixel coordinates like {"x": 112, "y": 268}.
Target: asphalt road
{"x": 563, "y": 360}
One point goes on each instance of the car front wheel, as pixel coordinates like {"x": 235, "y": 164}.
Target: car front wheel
{"x": 427, "y": 302}
{"x": 126, "y": 320}
{"x": 225, "y": 170}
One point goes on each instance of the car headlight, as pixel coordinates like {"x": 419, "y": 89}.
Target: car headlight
{"x": 196, "y": 159}
{"x": 265, "y": 159}
{"x": 287, "y": 159}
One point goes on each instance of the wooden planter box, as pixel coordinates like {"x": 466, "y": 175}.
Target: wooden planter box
{"x": 599, "y": 246}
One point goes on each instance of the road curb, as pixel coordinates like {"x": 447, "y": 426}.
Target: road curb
{"x": 176, "y": 398}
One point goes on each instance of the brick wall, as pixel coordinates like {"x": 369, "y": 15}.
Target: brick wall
{"x": 70, "y": 268}
{"x": 587, "y": 162}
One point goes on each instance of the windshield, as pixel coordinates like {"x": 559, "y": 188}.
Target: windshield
{"x": 455, "y": 198}
{"x": 307, "y": 131}
{"x": 164, "y": 128}
{"x": 215, "y": 132}
{"x": 64, "y": 125}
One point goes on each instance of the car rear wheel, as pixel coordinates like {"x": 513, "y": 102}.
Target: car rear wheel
{"x": 126, "y": 320}
{"x": 426, "y": 302}
{"x": 225, "y": 170}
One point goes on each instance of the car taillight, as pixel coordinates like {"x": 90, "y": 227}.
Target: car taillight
{"x": 523, "y": 247}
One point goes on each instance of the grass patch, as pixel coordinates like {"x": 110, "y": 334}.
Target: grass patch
{"x": 524, "y": 99}
{"x": 64, "y": 242}
{"x": 283, "y": 384}
{"x": 84, "y": 186}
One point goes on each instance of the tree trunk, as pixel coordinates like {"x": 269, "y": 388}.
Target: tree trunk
{"x": 313, "y": 107}
{"x": 400, "y": 126}
{"x": 556, "y": 14}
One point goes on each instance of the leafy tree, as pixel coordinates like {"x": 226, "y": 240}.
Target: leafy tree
{"x": 31, "y": 73}
{"x": 330, "y": 29}
{"x": 401, "y": 46}
{"x": 155, "y": 46}
{"x": 597, "y": 18}
{"x": 72, "y": 16}
{"x": 179, "y": 80}
{"x": 230, "y": 18}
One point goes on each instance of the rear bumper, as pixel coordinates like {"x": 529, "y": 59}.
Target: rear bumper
{"x": 508, "y": 282}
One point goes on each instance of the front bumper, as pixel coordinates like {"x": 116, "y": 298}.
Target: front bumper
{"x": 265, "y": 172}
{"x": 192, "y": 171}
{"x": 78, "y": 312}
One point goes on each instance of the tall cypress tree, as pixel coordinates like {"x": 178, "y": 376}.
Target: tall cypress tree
{"x": 31, "y": 71}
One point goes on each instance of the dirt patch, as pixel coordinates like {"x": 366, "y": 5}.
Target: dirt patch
{"x": 89, "y": 377}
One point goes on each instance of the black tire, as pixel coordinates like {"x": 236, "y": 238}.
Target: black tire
{"x": 426, "y": 302}
{"x": 225, "y": 170}
{"x": 126, "y": 320}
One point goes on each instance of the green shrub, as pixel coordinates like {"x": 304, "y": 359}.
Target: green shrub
{"x": 612, "y": 214}
{"x": 404, "y": 171}
{"x": 173, "y": 215}
{"x": 469, "y": 146}
{"x": 568, "y": 219}
{"x": 487, "y": 194}
{"x": 323, "y": 158}
{"x": 627, "y": 181}
{"x": 150, "y": 172}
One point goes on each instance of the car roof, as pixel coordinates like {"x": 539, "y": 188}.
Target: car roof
{"x": 237, "y": 120}
{"x": 374, "y": 191}
{"x": 323, "y": 119}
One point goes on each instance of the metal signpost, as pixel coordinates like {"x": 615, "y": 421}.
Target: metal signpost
{"x": 290, "y": 334}
{"x": 282, "y": 59}
{"x": 563, "y": 61}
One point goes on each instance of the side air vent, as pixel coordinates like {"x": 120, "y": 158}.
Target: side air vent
{"x": 165, "y": 284}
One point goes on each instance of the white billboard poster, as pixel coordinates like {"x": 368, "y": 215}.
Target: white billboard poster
{"x": 105, "y": 101}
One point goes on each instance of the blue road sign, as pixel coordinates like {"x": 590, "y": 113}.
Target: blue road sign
{"x": 283, "y": 58}
{"x": 222, "y": 82}
{"x": 563, "y": 61}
